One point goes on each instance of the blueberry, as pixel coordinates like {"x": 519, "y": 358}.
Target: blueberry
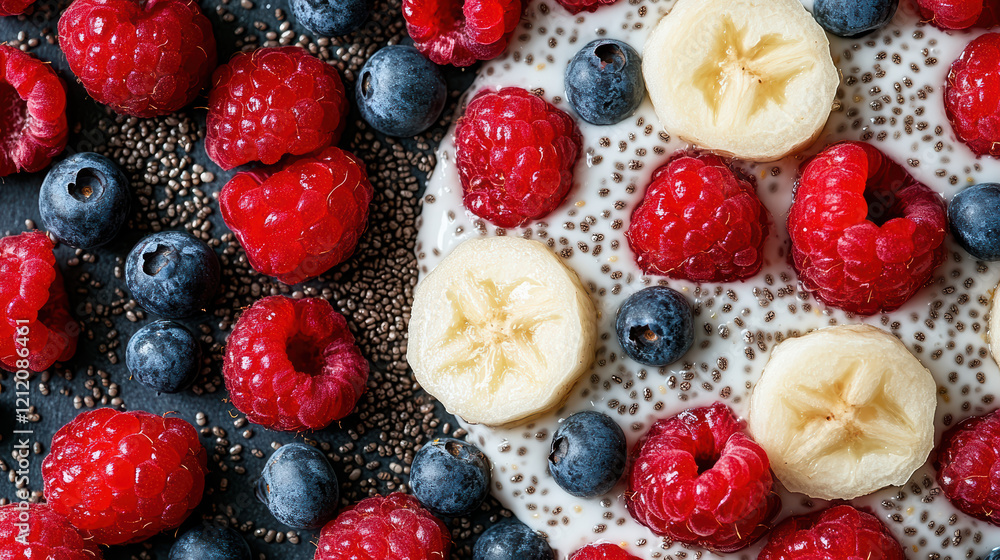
{"x": 655, "y": 326}
{"x": 511, "y": 540}
{"x": 84, "y": 200}
{"x": 853, "y": 18}
{"x": 400, "y": 92}
{"x": 974, "y": 216}
{"x": 172, "y": 274}
{"x": 331, "y": 18}
{"x": 587, "y": 456}
{"x": 994, "y": 554}
{"x": 450, "y": 477}
{"x": 299, "y": 486}
{"x": 210, "y": 542}
{"x": 164, "y": 356}
{"x": 604, "y": 81}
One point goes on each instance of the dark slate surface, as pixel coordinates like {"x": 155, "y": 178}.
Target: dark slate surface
{"x": 18, "y": 202}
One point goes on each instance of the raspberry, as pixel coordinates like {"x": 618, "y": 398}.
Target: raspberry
{"x": 576, "y": 6}
{"x": 972, "y": 95}
{"x": 300, "y": 221}
{"x": 142, "y": 59}
{"x": 36, "y": 329}
{"x": 292, "y": 365}
{"x": 35, "y": 531}
{"x": 968, "y": 465}
{"x": 515, "y": 153}
{"x": 393, "y": 527}
{"x": 460, "y": 32}
{"x": 122, "y": 477}
{"x": 836, "y": 533}
{"x": 865, "y": 234}
{"x": 14, "y": 7}
{"x": 33, "y": 116}
{"x": 699, "y": 220}
{"x": 601, "y": 551}
{"x": 271, "y": 102}
{"x": 960, "y": 14}
{"x": 698, "y": 479}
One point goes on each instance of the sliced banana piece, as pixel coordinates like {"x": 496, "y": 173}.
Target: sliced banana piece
{"x": 749, "y": 78}
{"x": 501, "y": 330}
{"x": 993, "y": 327}
{"x": 843, "y": 411}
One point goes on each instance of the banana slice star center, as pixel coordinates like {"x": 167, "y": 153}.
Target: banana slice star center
{"x": 740, "y": 79}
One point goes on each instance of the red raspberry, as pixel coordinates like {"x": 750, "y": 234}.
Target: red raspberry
{"x": 35, "y": 531}
{"x": 515, "y": 153}
{"x": 836, "y": 533}
{"x": 699, "y": 220}
{"x": 968, "y": 465}
{"x": 576, "y": 6}
{"x": 865, "y": 234}
{"x": 698, "y": 479}
{"x": 601, "y": 551}
{"x": 960, "y": 14}
{"x": 972, "y": 95}
{"x": 142, "y": 59}
{"x": 291, "y": 365}
{"x": 271, "y": 102}
{"x": 122, "y": 477}
{"x": 33, "y": 119}
{"x": 302, "y": 220}
{"x": 393, "y": 527}
{"x": 460, "y": 32}
{"x": 36, "y": 329}
{"x": 14, "y": 7}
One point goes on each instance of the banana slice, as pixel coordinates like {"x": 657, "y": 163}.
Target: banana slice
{"x": 501, "y": 330}
{"x": 843, "y": 411}
{"x": 749, "y": 78}
{"x": 993, "y": 326}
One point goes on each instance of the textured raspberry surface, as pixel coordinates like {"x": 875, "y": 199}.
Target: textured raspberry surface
{"x": 271, "y": 102}
{"x": 836, "y": 533}
{"x": 972, "y": 95}
{"x": 865, "y": 234}
{"x": 36, "y": 329}
{"x": 968, "y": 466}
{"x": 393, "y": 527}
{"x": 601, "y": 551}
{"x": 122, "y": 477}
{"x": 698, "y": 479}
{"x": 292, "y": 365}
{"x": 460, "y": 32}
{"x": 14, "y": 7}
{"x": 140, "y": 58}
{"x": 699, "y": 220}
{"x": 960, "y": 14}
{"x": 305, "y": 218}
{"x": 32, "y": 112}
{"x": 577, "y": 6}
{"x": 515, "y": 154}
{"x": 49, "y": 536}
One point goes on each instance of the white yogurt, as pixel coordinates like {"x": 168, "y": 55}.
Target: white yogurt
{"x": 892, "y": 96}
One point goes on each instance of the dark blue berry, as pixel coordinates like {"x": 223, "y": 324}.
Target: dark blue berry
{"x": 331, "y": 18}
{"x": 655, "y": 326}
{"x": 994, "y": 554}
{"x": 450, "y": 477}
{"x": 84, "y": 200}
{"x": 588, "y": 453}
{"x": 853, "y": 18}
{"x": 400, "y": 92}
{"x": 604, "y": 81}
{"x": 210, "y": 542}
{"x": 164, "y": 356}
{"x": 299, "y": 486}
{"x": 511, "y": 540}
{"x": 974, "y": 216}
{"x": 172, "y": 274}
